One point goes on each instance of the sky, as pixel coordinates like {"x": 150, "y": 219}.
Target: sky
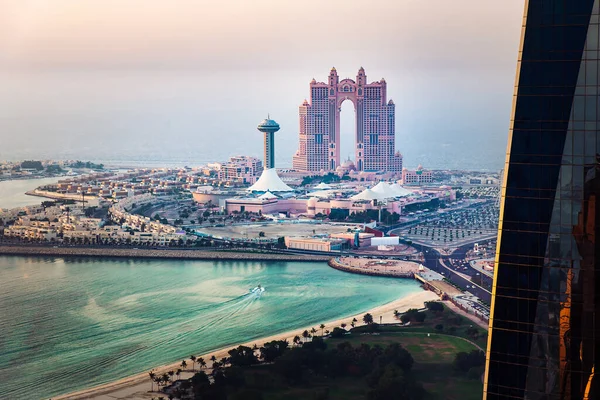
{"x": 187, "y": 81}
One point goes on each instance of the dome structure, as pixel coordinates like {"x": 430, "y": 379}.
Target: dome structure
{"x": 267, "y": 125}
{"x": 348, "y": 164}
{"x": 269, "y": 181}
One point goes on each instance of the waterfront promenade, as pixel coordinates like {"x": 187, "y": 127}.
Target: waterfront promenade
{"x": 190, "y": 254}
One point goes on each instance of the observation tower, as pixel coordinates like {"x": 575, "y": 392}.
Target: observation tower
{"x": 269, "y": 127}
{"x": 269, "y": 181}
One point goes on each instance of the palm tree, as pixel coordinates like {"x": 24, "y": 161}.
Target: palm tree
{"x": 183, "y": 365}
{"x": 213, "y": 359}
{"x": 178, "y": 373}
{"x": 297, "y": 340}
{"x": 343, "y": 325}
{"x": 305, "y": 335}
{"x": 201, "y": 362}
{"x": 322, "y": 327}
{"x": 327, "y": 331}
{"x": 313, "y": 331}
{"x": 165, "y": 378}
{"x": 152, "y": 376}
{"x": 171, "y": 373}
{"x": 158, "y": 380}
{"x": 193, "y": 358}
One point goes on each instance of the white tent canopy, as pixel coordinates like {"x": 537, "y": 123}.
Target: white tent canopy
{"x": 322, "y": 186}
{"x": 384, "y": 190}
{"x": 324, "y": 194}
{"x": 400, "y": 191}
{"x": 267, "y": 196}
{"x": 269, "y": 181}
{"x": 367, "y": 194}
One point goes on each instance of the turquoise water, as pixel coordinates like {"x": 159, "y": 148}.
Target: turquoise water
{"x": 12, "y": 193}
{"x": 73, "y": 323}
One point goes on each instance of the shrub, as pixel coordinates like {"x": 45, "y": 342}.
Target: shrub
{"x": 420, "y": 317}
{"x": 434, "y": 306}
{"x": 338, "y": 333}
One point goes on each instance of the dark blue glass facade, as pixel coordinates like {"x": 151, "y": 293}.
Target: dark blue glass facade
{"x": 544, "y": 336}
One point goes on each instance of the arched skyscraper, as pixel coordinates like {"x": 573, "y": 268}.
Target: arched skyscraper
{"x": 544, "y": 338}
{"x": 319, "y": 138}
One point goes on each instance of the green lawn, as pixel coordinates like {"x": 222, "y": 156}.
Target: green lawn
{"x": 452, "y": 324}
{"x": 433, "y": 351}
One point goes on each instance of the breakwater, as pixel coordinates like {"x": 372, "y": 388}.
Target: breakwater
{"x": 190, "y": 254}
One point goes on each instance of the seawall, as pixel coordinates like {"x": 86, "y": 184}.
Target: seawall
{"x": 154, "y": 253}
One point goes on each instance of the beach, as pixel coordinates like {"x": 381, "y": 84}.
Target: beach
{"x": 138, "y": 386}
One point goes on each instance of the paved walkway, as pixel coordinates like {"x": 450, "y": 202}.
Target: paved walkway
{"x": 472, "y": 317}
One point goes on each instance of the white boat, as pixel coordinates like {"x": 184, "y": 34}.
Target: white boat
{"x": 257, "y": 290}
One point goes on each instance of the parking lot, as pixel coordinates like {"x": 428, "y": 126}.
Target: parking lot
{"x": 456, "y": 227}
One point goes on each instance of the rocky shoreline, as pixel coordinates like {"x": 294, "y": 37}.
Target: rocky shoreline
{"x": 191, "y": 254}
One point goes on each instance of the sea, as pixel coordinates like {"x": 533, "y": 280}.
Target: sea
{"x": 73, "y": 323}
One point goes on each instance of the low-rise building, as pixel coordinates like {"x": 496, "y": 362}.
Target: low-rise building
{"x": 241, "y": 169}
{"x": 417, "y": 177}
{"x": 314, "y": 244}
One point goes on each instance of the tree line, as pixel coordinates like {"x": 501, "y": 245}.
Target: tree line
{"x": 248, "y": 372}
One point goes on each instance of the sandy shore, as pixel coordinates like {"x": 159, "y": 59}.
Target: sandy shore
{"x": 138, "y": 386}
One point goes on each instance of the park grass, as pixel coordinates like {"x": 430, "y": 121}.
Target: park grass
{"x": 452, "y": 323}
{"x": 433, "y": 357}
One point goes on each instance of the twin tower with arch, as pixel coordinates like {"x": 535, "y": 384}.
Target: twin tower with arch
{"x": 375, "y": 146}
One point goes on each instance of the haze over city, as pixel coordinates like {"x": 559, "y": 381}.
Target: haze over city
{"x": 264, "y": 200}
{"x": 146, "y": 81}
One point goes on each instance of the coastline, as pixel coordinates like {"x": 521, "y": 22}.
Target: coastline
{"x": 137, "y": 386}
{"x": 167, "y": 253}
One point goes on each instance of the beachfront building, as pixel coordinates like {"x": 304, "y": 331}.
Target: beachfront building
{"x": 241, "y": 169}
{"x": 319, "y": 136}
{"x": 417, "y": 177}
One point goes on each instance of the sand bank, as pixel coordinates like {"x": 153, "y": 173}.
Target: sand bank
{"x": 138, "y": 386}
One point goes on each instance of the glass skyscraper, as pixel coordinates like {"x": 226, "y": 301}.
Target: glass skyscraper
{"x": 544, "y": 336}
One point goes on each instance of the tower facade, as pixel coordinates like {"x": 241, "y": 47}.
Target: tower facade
{"x": 319, "y": 136}
{"x": 544, "y": 338}
{"x": 268, "y": 127}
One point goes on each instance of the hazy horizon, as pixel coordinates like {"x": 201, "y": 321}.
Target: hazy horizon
{"x": 145, "y": 80}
